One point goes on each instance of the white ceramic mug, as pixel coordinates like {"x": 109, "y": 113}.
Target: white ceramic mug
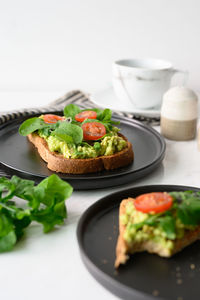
{"x": 142, "y": 82}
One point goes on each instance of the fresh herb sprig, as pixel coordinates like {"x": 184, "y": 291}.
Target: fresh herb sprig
{"x": 43, "y": 203}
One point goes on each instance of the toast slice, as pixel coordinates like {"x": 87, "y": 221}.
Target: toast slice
{"x": 58, "y": 163}
{"x": 123, "y": 249}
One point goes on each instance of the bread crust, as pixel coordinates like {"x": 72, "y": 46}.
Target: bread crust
{"x": 123, "y": 249}
{"x": 58, "y": 163}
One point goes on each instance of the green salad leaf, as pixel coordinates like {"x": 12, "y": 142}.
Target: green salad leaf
{"x": 106, "y": 115}
{"x": 188, "y": 207}
{"x": 71, "y": 110}
{"x": 69, "y": 133}
{"x": 167, "y": 223}
{"x": 62, "y": 136}
{"x": 44, "y": 203}
{"x": 23, "y": 187}
{"x": 8, "y": 186}
{"x": 33, "y": 124}
{"x": 7, "y": 234}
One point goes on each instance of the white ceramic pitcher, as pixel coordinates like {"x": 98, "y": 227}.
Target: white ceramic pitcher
{"x": 143, "y": 81}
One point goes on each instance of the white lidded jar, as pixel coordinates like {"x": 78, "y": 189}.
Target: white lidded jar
{"x": 179, "y": 114}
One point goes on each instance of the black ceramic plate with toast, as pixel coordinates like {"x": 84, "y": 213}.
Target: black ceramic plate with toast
{"x": 145, "y": 276}
{"x": 18, "y": 156}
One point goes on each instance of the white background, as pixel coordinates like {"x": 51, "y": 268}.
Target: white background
{"x": 48, "y": 47}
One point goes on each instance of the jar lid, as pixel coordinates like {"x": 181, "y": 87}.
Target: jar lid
{"x": 180, "y": 103}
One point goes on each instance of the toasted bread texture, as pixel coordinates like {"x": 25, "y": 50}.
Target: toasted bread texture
{"x": 58, "y": 163}
{"x": 123, "y": 249}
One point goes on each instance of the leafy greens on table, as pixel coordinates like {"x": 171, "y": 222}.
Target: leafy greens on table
{"x": 44, "y": 203}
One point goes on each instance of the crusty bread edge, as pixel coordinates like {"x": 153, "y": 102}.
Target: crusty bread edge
{"x": 58, "y": 163}
{"x": 123, "y": 249}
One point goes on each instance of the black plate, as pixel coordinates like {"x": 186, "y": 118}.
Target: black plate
{"x": 19, "y": 156}
{"x": 144, "y": 275}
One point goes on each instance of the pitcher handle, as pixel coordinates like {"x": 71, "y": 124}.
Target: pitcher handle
{"x": 185, "y": 75}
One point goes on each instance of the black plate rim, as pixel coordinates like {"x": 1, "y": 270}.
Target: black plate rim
{"x": 158, "y": 158}
{"x": 117, "y": 287}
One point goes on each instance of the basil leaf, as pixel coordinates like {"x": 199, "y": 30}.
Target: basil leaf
{"x": 167, "y": 223}
{"x": 189, "y": 212}
{"x": 31, "y": 125}
{"x": 188, "y": 207}
{"x": 47, "y": 129}
{"x": 69, "y": 132}
{"x": 62, "y": 136}
{"x": 71, "y": 110}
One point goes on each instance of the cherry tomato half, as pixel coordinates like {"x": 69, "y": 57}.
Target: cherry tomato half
{"x": 52, "y": 118}
{"x": 86, "y": 114}
{"x": 153, "y": 202}
{"x": 93, "y": 131}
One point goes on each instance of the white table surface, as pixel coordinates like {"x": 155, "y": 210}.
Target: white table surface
{"x": 49, "y": 266}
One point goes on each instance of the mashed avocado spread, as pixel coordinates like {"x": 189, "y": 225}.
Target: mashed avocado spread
{"x": 137, "y": 229}
{"x": 107, "y": 146}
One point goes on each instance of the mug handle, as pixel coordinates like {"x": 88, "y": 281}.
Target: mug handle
{"x": 184, "y": 73}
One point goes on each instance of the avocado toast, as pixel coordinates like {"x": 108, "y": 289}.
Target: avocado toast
{"x": 80, "y": 142}
{"x": 160, "y": 223}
